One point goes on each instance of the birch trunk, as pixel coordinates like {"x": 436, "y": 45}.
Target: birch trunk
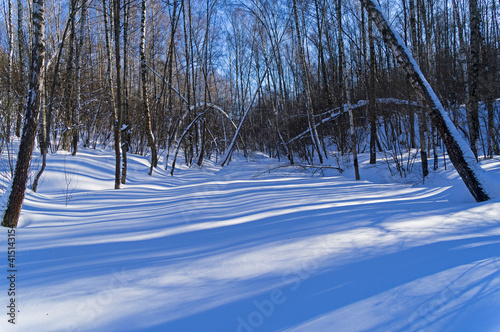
{"x": 10, "y": 33}
{"x": 109, "y": 78}
{"x": 44, "y": 128}
{"x": 18, "y": 185}
{"x": 352, "y": 129}
{"x": 22, "y": 65}
{"x": 460, "y": 154}
{"x": 145, "y": 101}
{"x": 125, "y": 130}
{"x": 462, "y": 55}
{"x": 118, "y": 92}
{"x": 79, "y": 51}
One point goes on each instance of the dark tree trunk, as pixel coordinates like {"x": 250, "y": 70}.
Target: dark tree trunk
{"x": 69, "y": 103}
{"x": 174, "y": 20}
{"x": 475, "y": 57}
{"x": 422, "y": 123}
{"x": 109, "y": 78}
{"x": 372, "y": 110}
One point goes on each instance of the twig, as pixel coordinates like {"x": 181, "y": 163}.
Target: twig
{"x": 302, "y": 167}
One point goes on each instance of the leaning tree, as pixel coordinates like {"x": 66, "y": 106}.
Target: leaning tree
{"x": 460, "y": 154}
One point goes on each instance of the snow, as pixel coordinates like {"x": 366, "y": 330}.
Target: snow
{"x": 247, "y": 248}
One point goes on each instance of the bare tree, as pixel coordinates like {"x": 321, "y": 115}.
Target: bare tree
{"x": 69, "y": 91}
{"x": 475, "y": 58}
{"x": 371, "y": 97}
{"x": 10, "y": 33}
{"x": 125, "y": 129}
{"x": 305, "y": 72}
{"x": 18, "y": 185}
{"x": 421, "y": 111}
{"x": 174, "y": 20}
{"x": 79, "y": 51}
{"x": 462, "y": 50}
{"x": 45, "y": 114}
{"x": 145, "y": 102}
{"x": 347, "y": 90}
{"x": 118, "y": 94}
{"x": 22, "y": 65}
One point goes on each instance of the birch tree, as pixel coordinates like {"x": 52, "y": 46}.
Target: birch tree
{"x": 10, "y": 37}
{"x": 125, "y": 130}
{"x": 305, "y": 72}
{"x": 145, "y": 102}
{"x": 346, "y": 88}
{"x": 79, "y": 51}
{"x": 17, "y": 188}
{"x": 22, "y": 66}
{"x": 117, "y": 95}
{"x": 45, "y": 114}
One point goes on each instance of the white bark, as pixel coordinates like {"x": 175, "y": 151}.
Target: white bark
{"x": 79, "y": 51}
{"x": 460, "y": 154}
{"x": 17, "y": 189}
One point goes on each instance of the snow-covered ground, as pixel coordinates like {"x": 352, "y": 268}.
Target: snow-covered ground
{"x": 242, "y": 249}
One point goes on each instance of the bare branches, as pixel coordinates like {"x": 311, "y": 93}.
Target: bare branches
{"x": 303, "y": 168}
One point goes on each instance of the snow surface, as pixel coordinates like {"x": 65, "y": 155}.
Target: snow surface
{"x": 247, "y": 248}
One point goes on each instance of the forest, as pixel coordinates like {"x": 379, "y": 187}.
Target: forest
{"x": 250, "y": 165}
{"x": 280, "y": 77}
{"x": 302, "y": 81}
